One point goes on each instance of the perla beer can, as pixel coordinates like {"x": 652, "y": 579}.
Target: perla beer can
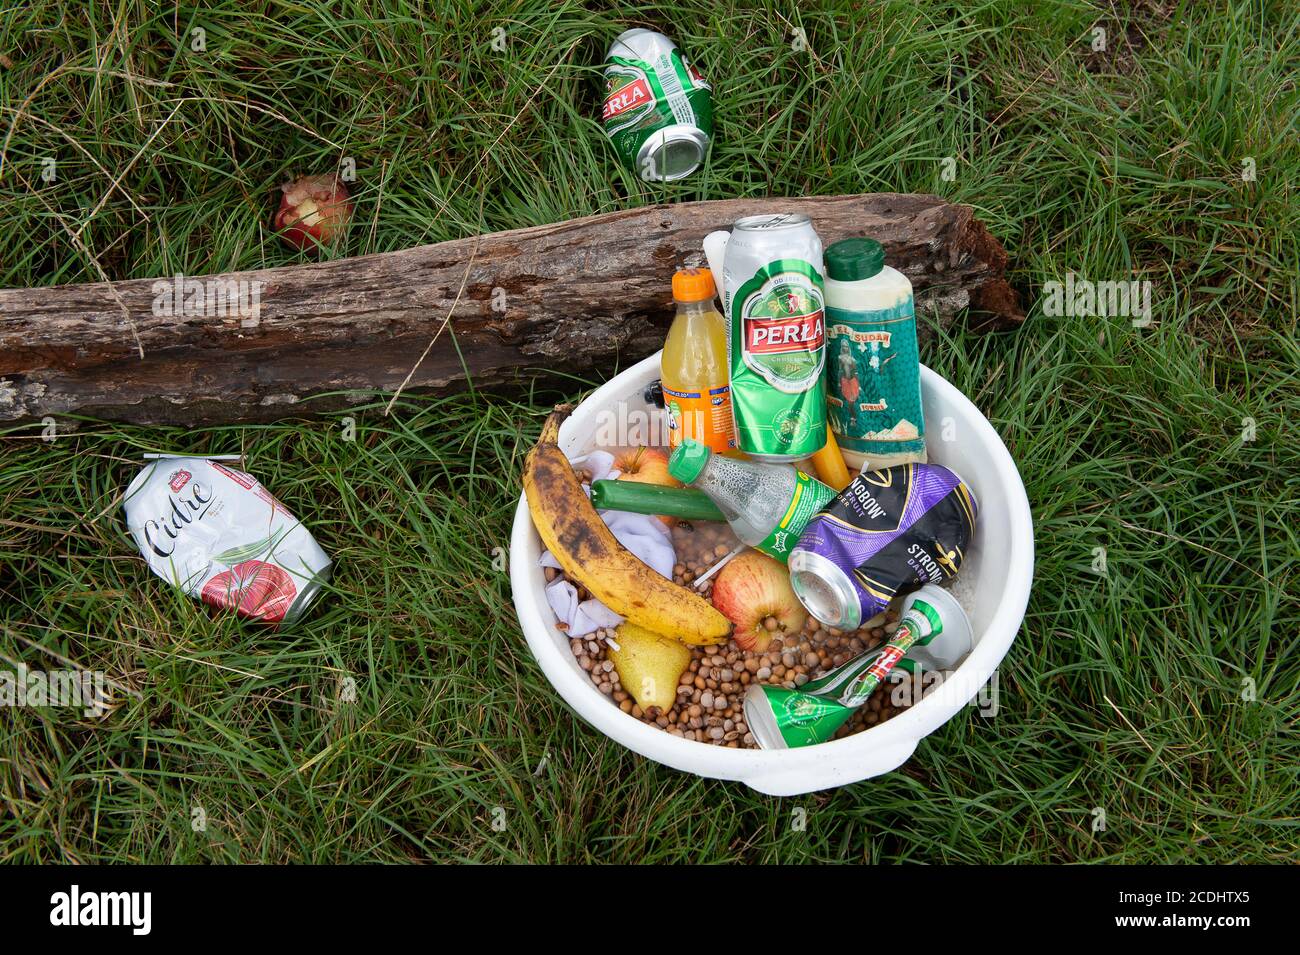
{"x": 658, "y": 109}
{"x": 220, "y": 536}
{"x": 934, "y": 632}
{"x": 773, "y": 281}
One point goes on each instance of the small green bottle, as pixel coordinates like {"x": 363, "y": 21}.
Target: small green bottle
{"x": 767, "y": 505}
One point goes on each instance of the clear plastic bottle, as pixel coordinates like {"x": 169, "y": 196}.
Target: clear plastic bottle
{"x": 767, "y": 505}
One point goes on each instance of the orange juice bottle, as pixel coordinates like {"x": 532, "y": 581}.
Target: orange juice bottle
{"x": 694, "y": 368}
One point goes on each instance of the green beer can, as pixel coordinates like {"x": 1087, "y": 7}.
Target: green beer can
{"x": 772, "y": 290}
{"x": 934, "y": 633}
{"x": 658, "y": 109}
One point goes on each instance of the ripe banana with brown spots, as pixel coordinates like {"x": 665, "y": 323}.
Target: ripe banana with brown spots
{"x": 571, "y": 529}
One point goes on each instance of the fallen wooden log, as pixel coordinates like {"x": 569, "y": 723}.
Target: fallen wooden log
{"x": 581, "y": 297}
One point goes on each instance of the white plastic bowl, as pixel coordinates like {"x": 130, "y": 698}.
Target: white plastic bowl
{"x": 998, "y": 568}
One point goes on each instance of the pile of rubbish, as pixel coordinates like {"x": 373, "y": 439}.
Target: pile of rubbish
{"x": 761, "y": 577}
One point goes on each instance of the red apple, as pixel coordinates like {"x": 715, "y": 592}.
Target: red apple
{"x": 314, "y": 211}
{"x": 647, "y": 466}
{"x": 753, "y": 589}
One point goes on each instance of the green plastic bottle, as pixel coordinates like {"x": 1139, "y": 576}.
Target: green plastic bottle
{"x": 767, "y": 505}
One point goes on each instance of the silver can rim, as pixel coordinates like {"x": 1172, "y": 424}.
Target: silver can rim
{"x": 957, "y": 625}
{"x": 771, "y": 222}
{"x": 805, "y": 563}
{"x": 661, "y": 139}
{"x": 761, "y": 720}
{"x": 622, "y": 39}
{"x": 307, "y": 596}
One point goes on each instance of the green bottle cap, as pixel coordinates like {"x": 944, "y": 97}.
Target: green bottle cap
{"x": 687, "y": 462}
{"x": 851, "y": 260}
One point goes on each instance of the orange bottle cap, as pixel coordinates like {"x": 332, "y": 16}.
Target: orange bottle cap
{"x": 693, "y": 285}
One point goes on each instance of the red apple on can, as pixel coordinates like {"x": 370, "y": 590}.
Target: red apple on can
{"x": 753, "y": 591}
{"x": 256, "y": 589}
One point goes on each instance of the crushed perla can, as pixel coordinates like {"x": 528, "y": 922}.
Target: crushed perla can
{"x": 220, "y": 536}
{"x": 658, "y": 109}
{"x": 934, "y": 632}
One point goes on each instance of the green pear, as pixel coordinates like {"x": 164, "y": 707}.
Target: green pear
{"x": 649, "y": 665}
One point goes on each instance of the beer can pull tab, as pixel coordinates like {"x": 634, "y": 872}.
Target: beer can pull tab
{"x": 158, "y": 456}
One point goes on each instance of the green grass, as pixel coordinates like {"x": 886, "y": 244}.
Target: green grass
{"x": 1122, "y": 692}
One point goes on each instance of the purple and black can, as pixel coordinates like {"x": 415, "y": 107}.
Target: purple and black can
{"x": 888, "y": 532}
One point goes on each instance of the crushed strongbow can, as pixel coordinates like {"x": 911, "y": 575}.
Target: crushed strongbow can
{"x": 934, "y": 632}
{"x": 219, "y": 536}
{"x": 883, "y": 534}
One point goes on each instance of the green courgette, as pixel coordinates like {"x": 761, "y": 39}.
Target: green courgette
{"x": 639, "y": 498}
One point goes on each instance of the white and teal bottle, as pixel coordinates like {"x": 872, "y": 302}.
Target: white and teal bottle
{"x": 873, "y": 373}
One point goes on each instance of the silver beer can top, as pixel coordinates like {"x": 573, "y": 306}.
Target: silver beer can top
{"x": 772, "y": 222}
{"x": 672, "y": 153}
{"x": 825, "y": 590}
{"x": 640, "y": 42}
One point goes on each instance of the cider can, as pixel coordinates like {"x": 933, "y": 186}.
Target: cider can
{"x": 885, "y": 533}
{"x": 217, "y": 534}
{"x": 773, "y": 292}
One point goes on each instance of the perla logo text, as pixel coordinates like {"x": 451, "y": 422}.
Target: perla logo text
{"x": 628, "y": 97}
{"x": 795, "y": 333}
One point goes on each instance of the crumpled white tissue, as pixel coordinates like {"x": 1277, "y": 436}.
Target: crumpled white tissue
{"x": 643, "y": 534}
